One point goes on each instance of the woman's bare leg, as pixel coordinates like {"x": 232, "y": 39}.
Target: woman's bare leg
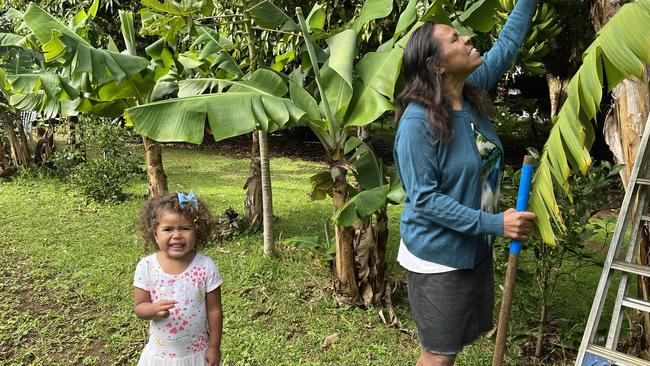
{"x": 429, "y": 359}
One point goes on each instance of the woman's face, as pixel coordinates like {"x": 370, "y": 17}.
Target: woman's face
{"x": 458, "y": 57}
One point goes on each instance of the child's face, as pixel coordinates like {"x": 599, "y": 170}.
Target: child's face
{"x": 175, "y": 235}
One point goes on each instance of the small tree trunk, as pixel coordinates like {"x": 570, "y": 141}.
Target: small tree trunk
{"x": 345, "y": 284}
{"x": 539, "y": 345}
{"x": 155, "y": 171}
{"x": 267, "y": 198}
{"x": 253, "y": 212}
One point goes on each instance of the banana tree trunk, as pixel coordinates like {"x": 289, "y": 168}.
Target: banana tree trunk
{"x": 364, "y": 134}
{"x": 381, "y": 237}
{"x": 370, "y": 238}
{"x": 253, "y": 211}
{"x": 557, "y": 87}
{"x": 74, "y": 134}
{"x": 19, "y": 155}
{"x": 623, "y": 126}
{"x": 346, "y": 289}
{"x": 265, "y": 172}
{"x": 267, "y": 198}
{"x": 45, "y": 145}
{"x": 4, "y": 162}
{"x": 24, "y": 144}
{"x": 155, "y": 171}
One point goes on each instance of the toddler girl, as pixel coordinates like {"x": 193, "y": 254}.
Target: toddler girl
{"x": 176, "y": 288}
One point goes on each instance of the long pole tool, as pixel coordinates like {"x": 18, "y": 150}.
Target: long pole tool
{"x": 513, "y": 262}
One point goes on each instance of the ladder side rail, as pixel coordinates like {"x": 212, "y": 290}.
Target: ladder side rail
{"x": 603, "y": 284}
{"x": 635, "y": 240}
{"x": 614, "y": 330}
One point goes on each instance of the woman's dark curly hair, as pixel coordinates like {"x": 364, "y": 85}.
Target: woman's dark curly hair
{"x": 423, "y": 83}
{"x": 150, "y": 216}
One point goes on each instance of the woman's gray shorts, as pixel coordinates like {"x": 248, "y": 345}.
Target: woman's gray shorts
{"x": 451, "y": 309}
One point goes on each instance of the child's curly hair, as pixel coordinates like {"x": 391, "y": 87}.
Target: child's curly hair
{"x": 150, "y": 215}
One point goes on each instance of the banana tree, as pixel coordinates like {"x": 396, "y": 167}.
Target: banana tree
{"x": 619, "y": 50}
{"x": 233, "y": 108}
{"x": 354, "y": 89}
{"x": 349, "y": 96}
{"x": 248, "y": 17}
{"x": 27, "y": 82}
{"x": 624, "y": 124}
{"x": 366, "y": 211}
{"x": 110, "y": 80}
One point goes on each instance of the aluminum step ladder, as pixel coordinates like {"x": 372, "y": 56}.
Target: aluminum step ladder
{"x": 634, "y": 215}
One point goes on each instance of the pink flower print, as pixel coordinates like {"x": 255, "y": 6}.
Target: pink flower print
{"x": 172, "y": 354}
{"x": 198, "y": 344}
{"x": 173, "y": 330}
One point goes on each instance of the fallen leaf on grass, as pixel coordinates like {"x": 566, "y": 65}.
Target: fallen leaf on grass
{"x": 264, "y": 310}
{"x": 330, "y": 340}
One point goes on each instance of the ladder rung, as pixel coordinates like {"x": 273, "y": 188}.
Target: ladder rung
{"x": 630, "y": 302}
{"x": 636, "y": 269}
{"x": 618, "y": 357}
{"x": 643, "y": 181}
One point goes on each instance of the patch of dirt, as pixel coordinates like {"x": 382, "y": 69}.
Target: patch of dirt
{"x": 37, "y": 299}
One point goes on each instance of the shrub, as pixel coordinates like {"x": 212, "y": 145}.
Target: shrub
{"x": 64, "y": 160}
{"x": 110, "y": 164}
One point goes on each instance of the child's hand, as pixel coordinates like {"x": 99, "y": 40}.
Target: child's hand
{"x": 213, "y": 356}
{"x": 161, "y": 307}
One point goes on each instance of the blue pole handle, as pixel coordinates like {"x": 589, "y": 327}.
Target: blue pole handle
{"x": 523, "y": 194}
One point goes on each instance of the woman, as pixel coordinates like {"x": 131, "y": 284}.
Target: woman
{"x": 449, "y": 160}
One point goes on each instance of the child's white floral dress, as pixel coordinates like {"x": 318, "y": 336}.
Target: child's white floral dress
{"x": 182, "y": 338}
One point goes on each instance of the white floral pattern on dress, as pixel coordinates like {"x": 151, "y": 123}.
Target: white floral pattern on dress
{"x": 490, "y": 176}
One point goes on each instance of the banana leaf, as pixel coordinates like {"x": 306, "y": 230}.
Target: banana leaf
{"x": 371, "y": 10}
{"x": 621, "y": 49}
{"x": 228, "y": 114}
{"x": 61, "y": 43}
{"x": 378, "y": 72}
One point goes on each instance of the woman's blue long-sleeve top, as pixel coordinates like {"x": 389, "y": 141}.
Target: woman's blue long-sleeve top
{"x": 442, "y": 221}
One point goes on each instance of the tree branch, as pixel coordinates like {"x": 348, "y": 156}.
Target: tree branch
{"x": 276, "y": 31}
{"x": 221, "y": 16}
{"x": 225, "y": 23}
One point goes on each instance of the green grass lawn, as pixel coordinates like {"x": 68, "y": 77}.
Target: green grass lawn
{"x": 67, "y": 267}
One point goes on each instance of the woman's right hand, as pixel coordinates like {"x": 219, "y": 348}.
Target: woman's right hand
{"x": 161, "y": 308}
{"x": 517, "y": 225}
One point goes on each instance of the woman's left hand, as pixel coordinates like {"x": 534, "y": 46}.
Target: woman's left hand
{"x": 517, "y": 225}
{"x": 213, "y": 356}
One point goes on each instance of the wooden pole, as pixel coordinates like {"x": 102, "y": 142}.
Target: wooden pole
{"x": 513, "y": 262}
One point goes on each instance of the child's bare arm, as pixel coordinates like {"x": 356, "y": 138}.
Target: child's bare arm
{"x": 145, "y": 309}
{"x": 215, "y": 326}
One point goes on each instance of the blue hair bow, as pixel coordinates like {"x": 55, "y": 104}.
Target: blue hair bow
{"x": 189, "y": 198}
